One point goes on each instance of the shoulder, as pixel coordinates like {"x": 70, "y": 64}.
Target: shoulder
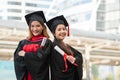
{"x": 77, "y": 54}
{"x": 48, "y": 41}
{"x": 75, "y": 50}
{"x": 22, "y": 42}
{"x": 55, "y": 43}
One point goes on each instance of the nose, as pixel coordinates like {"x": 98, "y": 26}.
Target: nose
{"x": 34, "y": 28}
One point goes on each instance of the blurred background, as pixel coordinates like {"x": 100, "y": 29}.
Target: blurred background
{"x": 94, "y": 31}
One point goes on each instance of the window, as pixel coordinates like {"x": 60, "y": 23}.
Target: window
{"x": 37, "y": 5}
{"x": 14, "y": 10}
{"x": 14, "y": 18}
{"x": 28, "y": 11}
{"x": 100, "y": 26}
{"x": 31, "y": 4}
{"x": 85, "y": 1}
{"x": 87, "y": 15}
{"x": 14, "y": 3}
{"x": 100, "y": 15}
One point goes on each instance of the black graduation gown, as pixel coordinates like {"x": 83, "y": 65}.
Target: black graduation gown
{"x": 57, "y": 66}
{"x": 36, "y": 63}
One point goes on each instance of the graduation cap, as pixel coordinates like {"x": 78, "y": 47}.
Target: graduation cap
{"x": 35, "y": 16}
{"x": 52, "y": 23}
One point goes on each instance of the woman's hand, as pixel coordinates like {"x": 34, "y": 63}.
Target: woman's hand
{"x": 71, "y": 59}
{"x": 21, "y": 53}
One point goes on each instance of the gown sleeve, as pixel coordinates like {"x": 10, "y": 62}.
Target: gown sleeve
{"x": 79, "y": 61}
{"x": 40, "y": 59}
{"x": 45, "y": 50}
{"x": 19, "y": 65}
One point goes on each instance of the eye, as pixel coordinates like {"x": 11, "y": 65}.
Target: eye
{"x": 32, "y": 25}
{"x": 38, "y": 25}
{"x": 64, "y": 28}
{"x": 59, "y": 29}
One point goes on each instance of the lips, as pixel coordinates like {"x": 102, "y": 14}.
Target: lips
{"x": 35, "y": 31}
{"x": 62, "y": 35}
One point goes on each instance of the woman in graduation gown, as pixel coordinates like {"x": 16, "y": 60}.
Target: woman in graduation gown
{"x": 31, "y": 59}
{"x": 67, "y": 66}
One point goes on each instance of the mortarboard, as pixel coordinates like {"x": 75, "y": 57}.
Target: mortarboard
{"x": 35, "y": 16}
{"x": 52, "y": 23}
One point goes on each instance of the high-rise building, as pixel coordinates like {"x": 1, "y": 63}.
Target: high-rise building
{"x": 92, "y": 15}
{"x": 17, "y": 9}
{"x": 79, "y": 13}
{"x": 108, "y": 16}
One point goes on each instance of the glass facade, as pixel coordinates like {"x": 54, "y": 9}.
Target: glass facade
{"x": 76, "y": 11}
{"x": 13, "y": 3}
{"x": 108, "y": 16}
{"x": 79, "y": 17}
{"x": 14, "y": 18}
{"x": 15, "y": 10}
{"x": 7, "y": 70}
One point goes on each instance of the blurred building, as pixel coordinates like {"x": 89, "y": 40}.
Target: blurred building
{"x": 108, "y": 16}
{"x": 93, "y": 15}
{"x": 98, "y": 48}
{"x": 79, "y": 13}
{"x": 17, "y": 9}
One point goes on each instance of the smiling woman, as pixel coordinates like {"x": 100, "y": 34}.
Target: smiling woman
{"x": 69, "y": 65}
{"x": 31, "y": 59}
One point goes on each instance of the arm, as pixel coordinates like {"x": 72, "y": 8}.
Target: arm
{"x": 19, "y": 62}
{"x": 79, "y": 61}
{"x": 68, "y": 57}
{"x": 45, "y": 50}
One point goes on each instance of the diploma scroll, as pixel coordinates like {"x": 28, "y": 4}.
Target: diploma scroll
{"x": 62, "y": 52}
{"x": 40, "y": 51}
{"x": 43, "y": 41}
{"x": 59, "y": 50}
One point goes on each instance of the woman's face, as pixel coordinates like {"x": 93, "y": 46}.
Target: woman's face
{"x": 60, "y": 32}
{"x": 36, "y": 28}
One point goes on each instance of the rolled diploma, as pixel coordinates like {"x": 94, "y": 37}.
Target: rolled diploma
{"x": 43, "y": 41}
{"x": 61, "y": 51}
